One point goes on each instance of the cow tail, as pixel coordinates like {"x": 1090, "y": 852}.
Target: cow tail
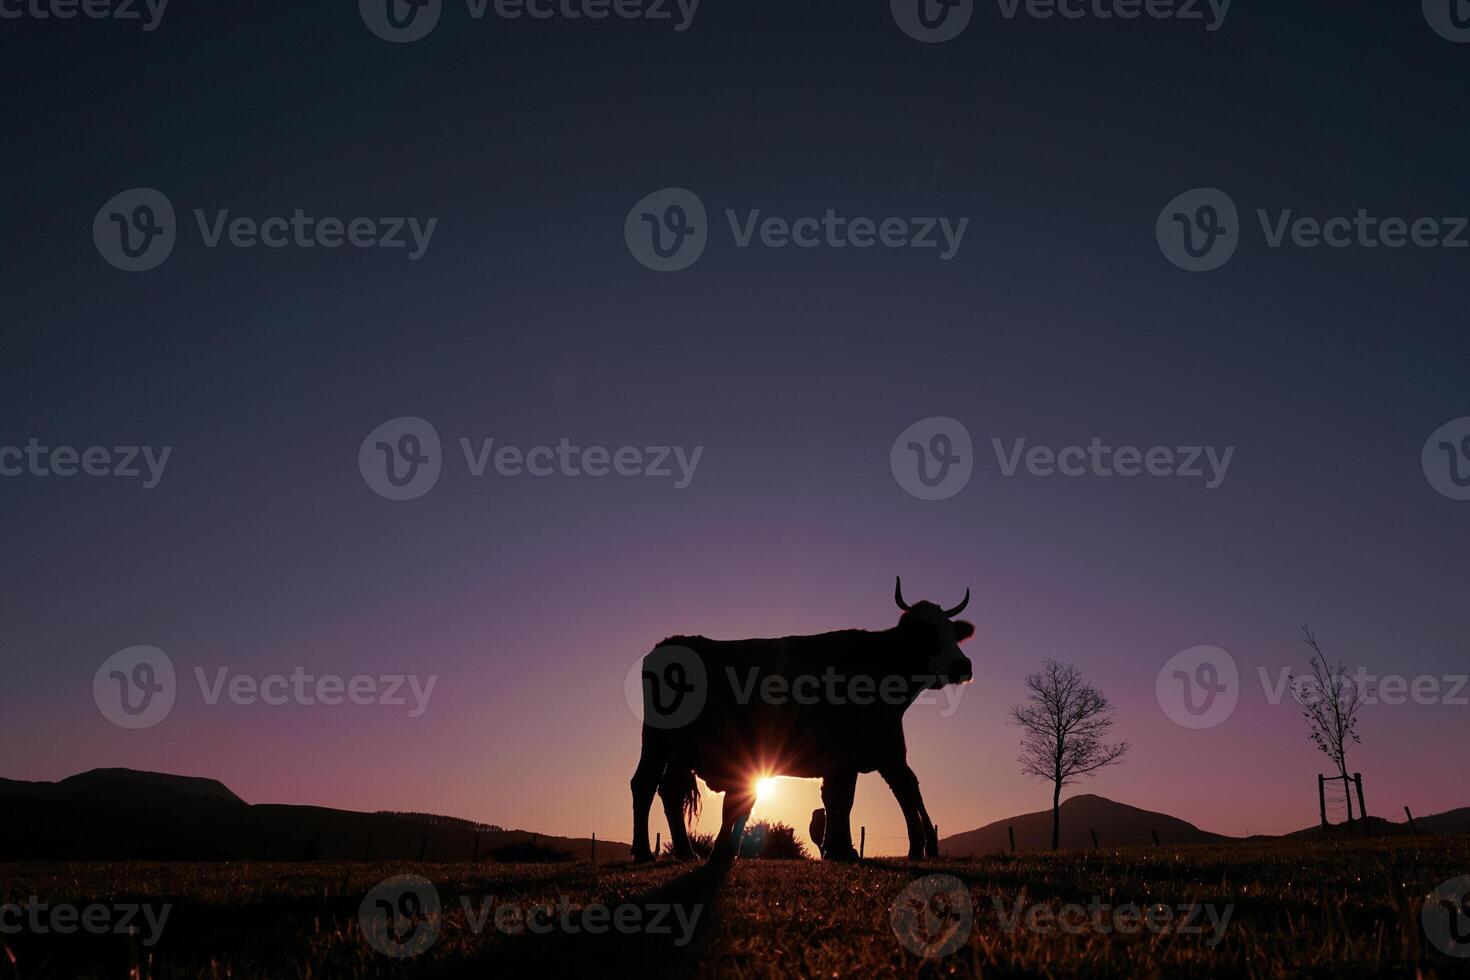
{"x": 688, "y": 790}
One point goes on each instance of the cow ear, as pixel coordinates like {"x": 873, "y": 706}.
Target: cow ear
{"x": 962, "y": 630}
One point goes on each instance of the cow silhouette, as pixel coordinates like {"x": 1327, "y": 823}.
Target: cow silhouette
{"x": 827, "y": 706}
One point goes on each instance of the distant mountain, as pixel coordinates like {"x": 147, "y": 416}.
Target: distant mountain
{"x": 1116, "y": 825}
{"x": 123, "y": 814}
{"x": 1120, "y": 825}
{"x": 1449, "y": 822}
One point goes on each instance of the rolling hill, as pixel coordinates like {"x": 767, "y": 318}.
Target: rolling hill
{"x": 123, "y": 814}
{"x": 1116, "y": 824}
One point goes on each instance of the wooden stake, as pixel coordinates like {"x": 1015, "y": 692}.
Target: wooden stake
{"x": 1322, "y": 798}
{"x": 594, "y": 848}
{"x": 1362, "y": 810}
{"x": 862, "y": 841}
{"x": 1094, "y": 838}
{"x": 658, "y": 844}
{"x": 1412, "y": 826}
{"x": 1011, "y": 830}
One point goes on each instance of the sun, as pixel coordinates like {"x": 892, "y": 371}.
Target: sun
{"x": 765, "y": 788}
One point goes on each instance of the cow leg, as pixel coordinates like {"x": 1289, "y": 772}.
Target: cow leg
{"x": 738, "y": 804}
{"x": 905, "y": 785}
{"x": 675, "y": 791}
{"x": 645, "y": 782}
{"x": 838, "y": 790}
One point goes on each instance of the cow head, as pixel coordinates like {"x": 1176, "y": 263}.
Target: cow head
{"x": 937, "y": 635}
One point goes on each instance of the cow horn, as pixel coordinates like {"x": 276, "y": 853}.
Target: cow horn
{"x": 898, "y": 593}
{"x": 948, "y": 613}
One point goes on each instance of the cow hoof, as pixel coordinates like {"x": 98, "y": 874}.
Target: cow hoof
{"x": 840, "y": 854}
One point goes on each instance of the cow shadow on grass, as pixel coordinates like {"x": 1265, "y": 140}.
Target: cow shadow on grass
{"x": 665, "y": 932}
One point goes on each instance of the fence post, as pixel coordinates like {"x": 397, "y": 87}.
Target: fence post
{"x": 1412, "y": 826}
{"x": 1362, "y": 810}
{"x": 1322, "y": 799}
{"x": 658, "y": 844}
{"x": 1094, "y": 838}
{"x": 594, "y": 848}
{"x": 862, "y": 841}
{"x": 1155, "y": 835}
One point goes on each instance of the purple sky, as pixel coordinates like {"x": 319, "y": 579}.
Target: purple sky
{"x": 528, "y": 321}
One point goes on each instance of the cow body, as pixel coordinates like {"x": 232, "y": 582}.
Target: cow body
{"x": 826, "y": 706}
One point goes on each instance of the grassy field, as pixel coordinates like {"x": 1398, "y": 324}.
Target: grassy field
{"x": 1273, "y": 909}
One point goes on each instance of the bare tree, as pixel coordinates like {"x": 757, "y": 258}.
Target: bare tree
{"x": 1064, "y": 723}
{"x": 1330, "y": 700}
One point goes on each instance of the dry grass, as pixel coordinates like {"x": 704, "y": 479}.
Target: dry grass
{"x": 1315, "y": 909}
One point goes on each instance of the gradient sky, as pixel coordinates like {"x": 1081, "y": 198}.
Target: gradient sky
{"x": 528, "y": 320}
